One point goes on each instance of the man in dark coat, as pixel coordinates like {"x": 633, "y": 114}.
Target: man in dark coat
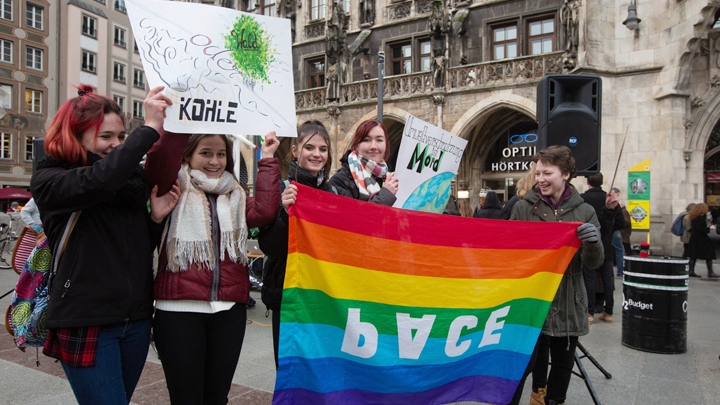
{"x": 491, "y": 208}
{"x": 611, "y": 219}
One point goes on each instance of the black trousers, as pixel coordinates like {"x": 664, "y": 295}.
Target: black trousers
{"x": 708, "y": 263}
{"x": 199, "y": 353}
{"x": 608, "y": 285}
{"x": 276, "y": 333}
{"x": 589, "y": 278}
{"x": 563, "y": 360}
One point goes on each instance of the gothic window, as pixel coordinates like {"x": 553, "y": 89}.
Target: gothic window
{"x": 425, "y": 56}
{"x": 505, "y": 41}
{"x": 401, "y": 58}
{"x": 541, "y": 36}
{"x": 317, "y": 73}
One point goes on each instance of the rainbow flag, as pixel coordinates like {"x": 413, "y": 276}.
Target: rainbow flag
{"x": 390, "y": 306}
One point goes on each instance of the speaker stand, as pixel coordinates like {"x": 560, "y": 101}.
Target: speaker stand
{"x": 583, "y": 374}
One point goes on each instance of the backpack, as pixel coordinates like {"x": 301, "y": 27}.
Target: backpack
{"x": 677, "y": 226}
{"x": 30, "y": 297}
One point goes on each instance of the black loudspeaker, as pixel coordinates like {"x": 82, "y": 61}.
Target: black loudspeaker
{"x": 568, "y": 113}
{"x": 38, "y": 151}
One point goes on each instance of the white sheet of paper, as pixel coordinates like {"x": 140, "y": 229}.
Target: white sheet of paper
{"x": 226, "y": 71}
{"x": 427, "y": 161}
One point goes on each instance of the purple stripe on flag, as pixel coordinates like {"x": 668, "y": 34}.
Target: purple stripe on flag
{"x": 493, "y": 390}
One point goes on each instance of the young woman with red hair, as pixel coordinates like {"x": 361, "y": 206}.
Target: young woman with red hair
{"x": 364, "y": 173}
{"x": 100, "y": 301}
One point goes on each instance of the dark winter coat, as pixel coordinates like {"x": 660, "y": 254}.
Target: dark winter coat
{"x": 701, "y": 246}
{"x": 273, "y": 239}
{"x": 105, "y": 274}
{"x": 611, "y": 220}
{"x": 508, "y": 207}
{"x": 343, "y": 180}
{"x": 626, "y": 231}
{"x": 568, "y": 311}
{"x": 229, "y": 281}
{"x": 491, "y": 208}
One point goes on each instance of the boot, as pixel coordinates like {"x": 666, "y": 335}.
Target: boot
{"x": 693, "y": 274}
{"x": 537, "y": 398}
{"x": 712, "y": 274}
{"x": 605, "y": 317}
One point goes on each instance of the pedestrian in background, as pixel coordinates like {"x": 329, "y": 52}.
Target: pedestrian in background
{"x": 617, "y": 238}
{"x": 626, "y": 232}
{"x": 364, "y": 174}
{"x": 465, "y": 208}
{"x": 30, "y": 213}
{"x": 523, "y": 185}
{"x": 610, "y": 217}
{"x": 554, "y": 199}
{"x": 701, "y": 246}
{"x": 100, "y": 304}
{"x": 685, "y": 237}
{"x": 311, "y": 162}
{"x": 491, "y": 208}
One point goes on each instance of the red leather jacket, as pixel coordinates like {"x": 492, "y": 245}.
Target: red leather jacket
{"x": 230, "y": 281}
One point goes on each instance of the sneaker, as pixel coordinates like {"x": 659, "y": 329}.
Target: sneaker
{"x": 605, "y": 317}
{"x": 591, "y": 319}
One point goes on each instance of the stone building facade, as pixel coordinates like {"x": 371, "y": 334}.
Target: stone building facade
{"x": 472, "y": 67}
{"x": 28, "y": 80}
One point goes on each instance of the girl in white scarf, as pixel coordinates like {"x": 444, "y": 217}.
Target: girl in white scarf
{"x": 202, "y": 286}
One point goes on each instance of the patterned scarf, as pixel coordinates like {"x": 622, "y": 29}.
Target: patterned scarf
{"x": 190, "y": 232}
{"x": 365, "y": 172}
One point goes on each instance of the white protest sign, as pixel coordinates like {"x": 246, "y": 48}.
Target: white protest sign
{"x": 227, "y": 72}
{"x": 427, "y": 161}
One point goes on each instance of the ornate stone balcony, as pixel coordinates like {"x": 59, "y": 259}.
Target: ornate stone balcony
{"x": 461, "y": 78}
{"x": 509, "y": 71}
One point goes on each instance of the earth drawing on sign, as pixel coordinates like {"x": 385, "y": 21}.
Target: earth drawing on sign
{"x": 432, "y": 195}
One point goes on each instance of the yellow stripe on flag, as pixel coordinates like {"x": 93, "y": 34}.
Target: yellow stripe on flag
{"x": 349, "y": 282}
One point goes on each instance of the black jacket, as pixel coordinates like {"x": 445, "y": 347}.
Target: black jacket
{"x": 343, "y": 180}
{"x": 508, "y": 207}
{"x": 105, "y": 274}
{"x": 700, "y": 246}
{"x": 273, "y": 239}
{"x": 491, "y": 208}
{"x": 611, "y": 220}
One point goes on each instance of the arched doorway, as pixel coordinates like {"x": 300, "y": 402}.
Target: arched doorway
{"x": 498, "y": 153}
{"x": 711, "y": 169}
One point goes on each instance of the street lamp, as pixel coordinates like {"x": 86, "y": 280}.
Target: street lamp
{"x": 632, "y": 20}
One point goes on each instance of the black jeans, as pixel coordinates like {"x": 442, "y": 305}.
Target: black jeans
{"x": 199, "y": 353}
{"x": 608, "y": 285}
{"x": 563, "y": 360}
{"x": 708, "y": 263}
{"x": 276, "y": 333}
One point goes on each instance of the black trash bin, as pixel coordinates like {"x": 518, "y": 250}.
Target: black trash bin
{"x": 654, "y": 304}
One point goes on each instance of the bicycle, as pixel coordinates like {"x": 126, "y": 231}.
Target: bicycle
{"x": 7, "y": 243}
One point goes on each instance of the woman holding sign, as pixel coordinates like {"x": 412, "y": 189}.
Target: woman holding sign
{"x": 202, "y": 285}
{"x": 310, "y": 164}
{"x": 364, "y": 175}
{"x": 554, "y": 199}
{"x": 100, "y": 303}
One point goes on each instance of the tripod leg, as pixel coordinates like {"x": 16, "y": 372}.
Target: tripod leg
{"x": 595, "y": 362}
{"x": 7, "y": 293}
{"x": 585, "y": 378}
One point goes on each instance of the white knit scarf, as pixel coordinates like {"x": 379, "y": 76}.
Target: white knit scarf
{"x": 190, "y": 233}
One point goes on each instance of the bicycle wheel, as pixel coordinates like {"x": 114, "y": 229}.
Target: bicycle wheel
{"x": 4, "y": 263}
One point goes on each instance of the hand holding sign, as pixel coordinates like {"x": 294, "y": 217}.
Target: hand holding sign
{"x": 155, "y": 105}
{"x": 391, "y": 183}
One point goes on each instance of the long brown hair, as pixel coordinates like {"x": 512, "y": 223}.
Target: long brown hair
{"x": 307, "y": 130}
{"x": 195, "y": 140}
{"x": 698, "y": 210}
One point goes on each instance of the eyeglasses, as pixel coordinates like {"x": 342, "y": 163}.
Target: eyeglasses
{"x": 530, "y": 138}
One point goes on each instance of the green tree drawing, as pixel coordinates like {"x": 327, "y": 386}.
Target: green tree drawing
{"x": 250, "y": 44}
